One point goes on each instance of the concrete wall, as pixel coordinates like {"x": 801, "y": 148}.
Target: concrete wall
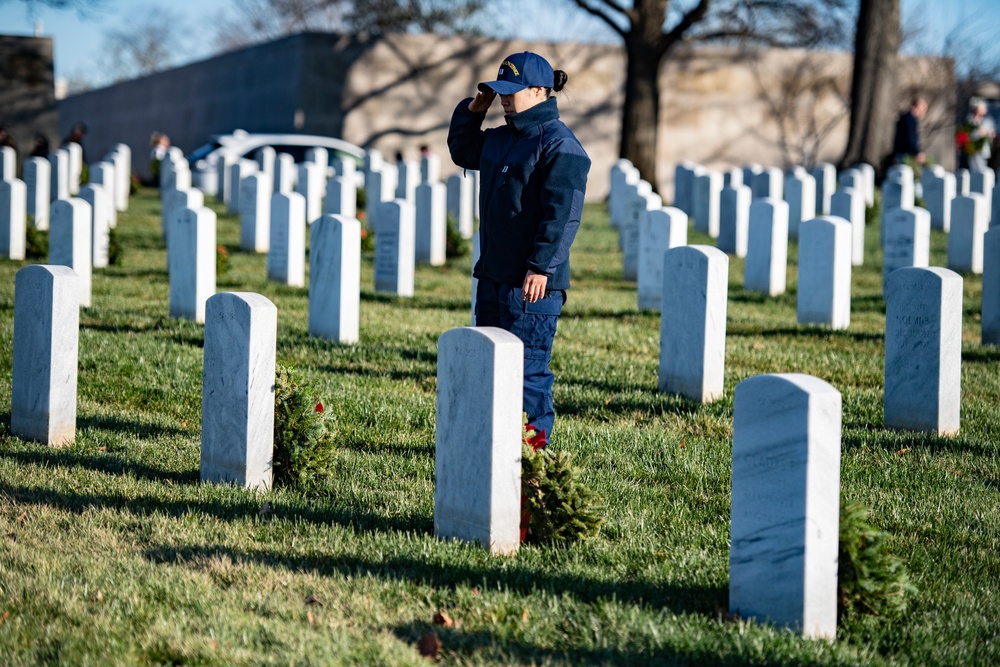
{"x": 720, "y": 107}
{"x": 27, "y": 91}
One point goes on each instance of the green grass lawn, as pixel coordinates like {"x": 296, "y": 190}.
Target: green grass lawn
{"x": 112, "y": 552}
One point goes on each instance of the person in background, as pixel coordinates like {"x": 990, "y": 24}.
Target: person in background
{"x": 534, "y": 176}
{"x": 907, "y": 139}
{"x": 983, "y": 133}
{"x": 6, "y": 139}
{"x": 40, "y": 146}
{"x": 75, "y": 136}
{"x": 159, "y": 144}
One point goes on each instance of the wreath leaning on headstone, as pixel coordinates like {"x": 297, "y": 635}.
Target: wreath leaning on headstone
{"x": 556, "y": 506}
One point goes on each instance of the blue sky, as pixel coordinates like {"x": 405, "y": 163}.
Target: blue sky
{"x": 78, "y": 40}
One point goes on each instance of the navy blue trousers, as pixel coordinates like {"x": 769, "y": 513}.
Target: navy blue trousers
{"x": 499, "y": 305}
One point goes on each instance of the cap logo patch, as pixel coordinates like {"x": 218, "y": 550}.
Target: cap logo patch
{"x": 509, "y": 64}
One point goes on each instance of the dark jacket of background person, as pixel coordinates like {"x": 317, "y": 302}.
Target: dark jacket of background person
{"x": 907, "y": 140}
{"x": 533, "y": 174}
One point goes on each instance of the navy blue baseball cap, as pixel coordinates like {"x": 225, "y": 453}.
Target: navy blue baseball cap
{"x": 519, "y": 71}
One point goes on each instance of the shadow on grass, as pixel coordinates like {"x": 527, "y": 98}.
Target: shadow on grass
{"x": 631, "y": 399}
{"x": 896, "y": 440}
{"x": 103, "y": 462}
{"x": 982, "y": 354}
{"x": 344, "y": 369}
{"x": 814, "y": 332}
{"x": 235, "y": 507}
{"x": 485, "y": 645}
{"x": 496, "y": 574}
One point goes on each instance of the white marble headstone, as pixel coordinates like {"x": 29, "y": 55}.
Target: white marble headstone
{"x": 825, "y": 175}
{"x": 734, "y": 220}
{"x": 659, "y": 230}
{"x": 284, "y": 173}
{"x": 103, "y": 174}
{"x": 394, "y": 249}
{"x": 785, "y": 525}
{"x": 693, "y": 322}
{"x": 255, "y": 212}
{"x": 101, "y": 206}
{"x": 477, "y": 459}
{"x": 335, "y": 278}
{"x": 191, "y": 261}
{"x": 8, "y": 163}
{"x": 38, "y": 180}
{"x": 341, "y": 197}
{"x": 237, "y": 406}
{"x": 238, "y": 170}
{"x": 923, "y": 350}
{"x": 642, "y": 200}
{"x": 46, "y": 343}
{"x": 824, "y": 288}
{"x": 800, "y": 193}
{"x": 74, "y": 166}
{"x": 286, "y": 254}
{"x": 13, "y": 213}
{"x": 767, "y": 247}
{"x": 965, "y": 240}
{"x": 707, "y": 189}
{"x": 849, "y": 204}
{"x": 311, "y": 184}
{"x": 407, "y": 180}
{"x": 59, "y": 175}
{"x": 431, "y": 221}
{"x": 939, "y": 191}
{"x": 70, "y": 244}
{"x": 430, "y": 168}
{"x": 459, "y": 203}
{"x": 907, "y": 240}
{"x": 769, "y": 183}
{"x": 991, "y": 287}
{"x": 121, "y": 156}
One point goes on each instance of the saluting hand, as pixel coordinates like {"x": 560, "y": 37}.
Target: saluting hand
{"x": 482, "y": 102}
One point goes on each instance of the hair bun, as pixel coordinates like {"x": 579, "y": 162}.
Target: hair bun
{"x": 560, "y": 80}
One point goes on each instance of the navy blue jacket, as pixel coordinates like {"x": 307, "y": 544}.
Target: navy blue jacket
{"x": 533, "y": 174}
{"x": 907, "y": 139}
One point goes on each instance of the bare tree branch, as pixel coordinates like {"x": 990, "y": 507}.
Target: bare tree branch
{"x": 604, "y": 16}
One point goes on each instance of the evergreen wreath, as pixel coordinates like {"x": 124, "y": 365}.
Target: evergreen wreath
{"x": 557, "y": 507}
{"x": 304, "y": 446}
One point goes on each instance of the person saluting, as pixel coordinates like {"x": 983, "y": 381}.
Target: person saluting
{"x": 533, "y": 176}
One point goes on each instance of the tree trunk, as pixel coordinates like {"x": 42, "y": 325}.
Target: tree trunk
{"x": 641, "y": 113}
{"x": 873, "y": 90}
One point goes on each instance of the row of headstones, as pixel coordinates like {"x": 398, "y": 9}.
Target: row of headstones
{"x": 923, "y": 335}
{"x": 383, "y": 182}
{"x": 78, "y": 227}
{"x": 58, "y": 177}
{"x": 479, "y": 382}
{"x": 784, "y": 500}
{"x": 759, "y": 233}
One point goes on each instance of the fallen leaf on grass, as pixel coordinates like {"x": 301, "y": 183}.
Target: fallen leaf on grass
{"x": 475, "y": 591}
{"x": 524, "y": 615}
{"x": 265, "y": 510}
{"x": 902, "y": 451}
{"x": 683, "y": 444}
{"x": 102, "y": 449}
{"x": 23, "y": 515}
{"x": 441, "y": 618}
{"x": 6, "y": 615}
{"x": 100, "y": 595}
{"x": 429, "y": 645}
{"x": 312, "y": 599}
{"x": 608, "y": 400}
{"x": 758, "y": 346}
{"x": 311, "y": 618}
